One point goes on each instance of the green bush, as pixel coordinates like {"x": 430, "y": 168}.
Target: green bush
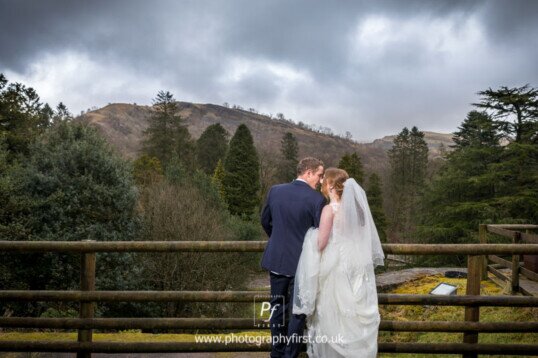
{"x": 71, "y": 187}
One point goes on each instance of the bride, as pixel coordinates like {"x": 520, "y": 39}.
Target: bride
{"x": 335, "y": 283}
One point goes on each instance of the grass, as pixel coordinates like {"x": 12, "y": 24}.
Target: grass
{"x": 388, "y": 312}
{"x": 449, "y": 313}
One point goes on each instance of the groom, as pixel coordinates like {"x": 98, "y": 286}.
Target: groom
{"x": 291, "y": 209}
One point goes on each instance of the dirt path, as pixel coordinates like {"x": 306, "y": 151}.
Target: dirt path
{"x": 385, "y": 281}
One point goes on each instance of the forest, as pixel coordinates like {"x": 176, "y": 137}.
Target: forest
{"x": 61, "y": 181}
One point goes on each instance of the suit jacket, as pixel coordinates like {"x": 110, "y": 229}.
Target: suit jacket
{"x": 291, "y": 209}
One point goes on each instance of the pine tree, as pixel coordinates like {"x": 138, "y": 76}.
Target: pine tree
{"x": 478, "y": 129}
{"x": 167, "y": 137}
{"x": 375, "y": 201}
{"x": 61, "y": 114}
{"x": 408, "y": 169}
{"x": 289, "y": 150}
{"x": 22, "y": 116}
{"x": 218, "y": 179}
{"x": 352, "y": 164}
{"x": 519, "y": 102}
{"x": 399, "y": 173}
{"x": 418, "y": 158}
{"x": 184, "y": 148}
{"x": 515, "y": 178}
{"x": 462, "y": 194}
{"x": 482, "y": 181}
{"x": 399, "y": 159}
{"x": 46, "y": 117}
{"x": 242, "y": 181}
{"x": 211, "y": 147}
{"x": 515, "y": 172}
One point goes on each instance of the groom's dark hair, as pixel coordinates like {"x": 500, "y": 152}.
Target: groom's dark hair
{"x": 308, "y": 163}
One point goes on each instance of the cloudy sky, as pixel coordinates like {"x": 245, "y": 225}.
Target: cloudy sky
{"x": 370, "y": 67}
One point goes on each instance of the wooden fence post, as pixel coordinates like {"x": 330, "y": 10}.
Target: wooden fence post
{"x": 87, "y": 283}
{"x": 472, "y": 313}
{"x": 515, "y": 265}
{"x": 482, "y": 236}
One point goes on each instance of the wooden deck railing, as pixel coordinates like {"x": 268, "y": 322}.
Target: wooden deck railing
{"x": 89, "y": 297}
{"x": 517, "y": 237}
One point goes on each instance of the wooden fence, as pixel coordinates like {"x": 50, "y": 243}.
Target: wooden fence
{"x": 507, "y": 231}
{"x": 89, "y": 297}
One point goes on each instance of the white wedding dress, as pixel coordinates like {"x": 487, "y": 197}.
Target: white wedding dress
{"x": 336, "y": 289}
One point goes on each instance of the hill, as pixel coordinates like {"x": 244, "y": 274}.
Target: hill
{"x": 433, "y": 139}
{"x": 123, "y": 126}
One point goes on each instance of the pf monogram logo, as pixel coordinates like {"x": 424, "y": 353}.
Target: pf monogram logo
{"x": 265, "y": 313}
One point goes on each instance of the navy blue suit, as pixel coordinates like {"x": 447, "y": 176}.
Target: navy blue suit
{"x": 291, "y": 209}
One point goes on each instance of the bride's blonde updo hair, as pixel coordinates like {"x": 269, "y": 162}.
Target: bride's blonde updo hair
{"x": 334, "y": 178}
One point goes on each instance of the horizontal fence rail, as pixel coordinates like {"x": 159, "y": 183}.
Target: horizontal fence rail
{"x": 508, "y": 231}
{"x": 514, "y": 226}
{"x": 249, "y": 296}
{"x": 88, "y": 297}
{"x": 515, "y": 265}
{"x": 247, "y": 324}
{"x": 186, "y": 347}
{"x": 254, "y": 246}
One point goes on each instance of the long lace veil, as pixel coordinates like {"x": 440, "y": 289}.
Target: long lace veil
{"x": 354, "y": 222}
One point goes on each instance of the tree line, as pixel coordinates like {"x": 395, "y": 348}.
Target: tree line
{"x": 240, "y": 175}
{"x": 61, "y": 181}
{"x": 490, "y": 175}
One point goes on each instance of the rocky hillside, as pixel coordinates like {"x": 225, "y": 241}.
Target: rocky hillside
{"x": 123, "y": 126}
{"x": 434, "y": 140}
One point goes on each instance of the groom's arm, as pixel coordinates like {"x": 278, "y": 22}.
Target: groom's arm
{"x": 266, "y": 218}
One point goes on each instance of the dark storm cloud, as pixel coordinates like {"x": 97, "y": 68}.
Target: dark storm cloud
{"x": 30, "y": 27}
{"x": 365, "y": 66}
{"x": 510, "y": 20}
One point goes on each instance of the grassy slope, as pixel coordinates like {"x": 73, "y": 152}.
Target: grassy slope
{"x": 448, "y": 313}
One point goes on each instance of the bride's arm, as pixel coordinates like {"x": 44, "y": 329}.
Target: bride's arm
{"x": 325, "y": 226}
